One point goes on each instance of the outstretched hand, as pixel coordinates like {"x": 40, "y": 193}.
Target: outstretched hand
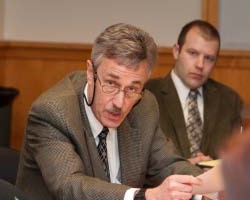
{"x": 175, "y": 187}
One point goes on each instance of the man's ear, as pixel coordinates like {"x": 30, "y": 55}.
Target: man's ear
{"x": 90, "y": 72}
{"x": 176, "y": 51}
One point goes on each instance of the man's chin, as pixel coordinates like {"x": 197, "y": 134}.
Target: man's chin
{"x": 195, "y": 84}
{"x": 112, "y": 123}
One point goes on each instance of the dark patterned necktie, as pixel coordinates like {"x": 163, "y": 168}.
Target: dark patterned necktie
{"x": 194, "y": 123}
{"x": 102, "y": 150}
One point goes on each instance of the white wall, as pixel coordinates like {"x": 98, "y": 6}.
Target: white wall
{"x": 234, "y": 20}
{"x": 81, "y": 20}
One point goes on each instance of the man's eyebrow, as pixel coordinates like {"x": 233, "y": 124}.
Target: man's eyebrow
{"x": 192, "y": 49}
{"x": 111, "y": 75}
{"x": 137, "y": 82}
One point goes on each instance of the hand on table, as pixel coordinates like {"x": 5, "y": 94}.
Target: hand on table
{"x": 199, "y": 157}
{"x": 221, "y": 196}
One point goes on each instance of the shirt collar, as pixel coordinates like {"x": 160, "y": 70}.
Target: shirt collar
{"x": 181, "y": 88}
{"x": 95, "y": 125}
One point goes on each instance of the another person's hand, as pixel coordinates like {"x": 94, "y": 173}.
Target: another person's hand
{"x": 175, "y": 187}
{"x": 219, "y": 197}
{"x": 199, "y": 157}
{"x": 205, "y": 198}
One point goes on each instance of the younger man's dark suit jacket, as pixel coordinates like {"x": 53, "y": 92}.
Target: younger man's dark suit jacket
{"x": 222, "y": 114}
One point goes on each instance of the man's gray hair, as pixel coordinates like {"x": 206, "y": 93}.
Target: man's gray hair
{"x": 126, "y": 44}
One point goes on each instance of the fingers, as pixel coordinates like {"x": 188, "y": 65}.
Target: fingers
{"x": 185, "y": 179}
{"x": 181, "y": 186}
{"x": 206, "y": 158}
{"x": 194, "y": 160}
{"x": 203, "y": 157}
{"x": 199, "y": 158}
{"x": 180, "y": 195}
{"x": 162, "y": 193}
{"x": 173, "y": 184}
{"x": 174, "y": 187}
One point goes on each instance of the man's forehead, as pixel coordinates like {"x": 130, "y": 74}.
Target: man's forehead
{"x": 196, "y": 33}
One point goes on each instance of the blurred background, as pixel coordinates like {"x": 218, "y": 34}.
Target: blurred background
{"x": 43, "y": 40}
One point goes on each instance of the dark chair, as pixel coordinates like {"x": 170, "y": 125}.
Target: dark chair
{"x": 9, "y": 159}
{"x": 9, "y": 191}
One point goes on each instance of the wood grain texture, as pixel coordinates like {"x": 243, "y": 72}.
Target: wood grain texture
{"x": 210, "y": 11}
{"x": 34, "y": 67}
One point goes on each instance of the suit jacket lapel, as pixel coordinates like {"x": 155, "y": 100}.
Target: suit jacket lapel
{"x": 211, "y": 103}
{"x": 130, "y": 147}
{"x": 176, "y": 114}
{"x": 91, "y": 159}
{"x": 97, "y": 167}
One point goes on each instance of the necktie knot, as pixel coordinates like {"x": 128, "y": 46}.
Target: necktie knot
{"x": 103, "y": 134}
{"x": 193, "y": 94}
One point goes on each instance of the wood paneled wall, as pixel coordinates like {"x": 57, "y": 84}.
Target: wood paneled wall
{"x": 33, "y": 67}
{"x": 210, "y": 12}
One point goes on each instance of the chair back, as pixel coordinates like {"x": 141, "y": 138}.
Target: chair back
{"x": 11, "y": 192}
{"x": 9, "y": 159}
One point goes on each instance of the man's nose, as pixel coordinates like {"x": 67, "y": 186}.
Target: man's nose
{"x": 118, "y": 99}
{"x": 200, "y": 62}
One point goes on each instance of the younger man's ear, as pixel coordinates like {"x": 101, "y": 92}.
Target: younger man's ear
{"x": 175, "y": 50}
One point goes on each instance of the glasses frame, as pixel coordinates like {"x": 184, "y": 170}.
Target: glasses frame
{"x": 114, "y": 90}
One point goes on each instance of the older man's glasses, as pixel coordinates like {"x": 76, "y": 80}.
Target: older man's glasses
{"x": 131, "y": 93}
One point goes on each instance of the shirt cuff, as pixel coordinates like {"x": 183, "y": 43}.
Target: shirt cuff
{"x": 197, "y": 197}
{"x": 130, "y": 193}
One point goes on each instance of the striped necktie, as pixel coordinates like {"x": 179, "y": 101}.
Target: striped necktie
{"x": 194, "y": 123}
{"x": 102, "y": 150}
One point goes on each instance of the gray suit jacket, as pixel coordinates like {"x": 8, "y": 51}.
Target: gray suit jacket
{"x": 222, "y": 113}
{"x": 60, "y": 160}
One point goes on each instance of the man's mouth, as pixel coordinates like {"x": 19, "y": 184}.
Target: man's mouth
{"x": 114, "y": 114}
{"x": 196, "y": 76}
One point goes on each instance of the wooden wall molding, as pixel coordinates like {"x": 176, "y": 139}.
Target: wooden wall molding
{"x": 43, "y": 50}
{"x": 34, "y": 67}
{"x": 234, "y": 59}
{"x": 210, "y": 11}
